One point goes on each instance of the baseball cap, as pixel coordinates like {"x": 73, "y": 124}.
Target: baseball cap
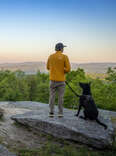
{"x": 59, "y": 46}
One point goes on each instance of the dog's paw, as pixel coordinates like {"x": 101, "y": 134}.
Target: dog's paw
{"x": 82, "y": 117}
{"x": 105, "y": 127}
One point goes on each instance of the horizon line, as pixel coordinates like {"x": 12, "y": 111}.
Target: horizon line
{"x": 45, "y": 62}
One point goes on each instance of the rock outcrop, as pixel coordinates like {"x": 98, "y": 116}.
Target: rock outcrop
{"x": 1, "y": 113}
{"x": 4, "y": 151}
{"x": 69, "y": 127}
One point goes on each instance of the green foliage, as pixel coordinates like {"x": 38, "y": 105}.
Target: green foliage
{"x": 73, "y": 78}
{"x": 42, "y": 87}
{"x": 12, "y": 87}
{"x": 104, "y": 94}
{"x": 42, "y": 92}
{"x": 32, "y": 86}
{"x": 79, "y": 75}
{"x": 111, "y": 74}
{"x": 17, "y": 86}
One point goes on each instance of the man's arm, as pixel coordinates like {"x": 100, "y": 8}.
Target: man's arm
{"x": 48, "y": 63}
{"x": 66, "y": 65}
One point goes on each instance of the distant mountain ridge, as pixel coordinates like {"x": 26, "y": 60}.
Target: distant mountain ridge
{"x": 33, "y": 67}
{"x": 94, "y": 67}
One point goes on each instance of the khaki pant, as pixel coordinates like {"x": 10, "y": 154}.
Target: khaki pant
{"x": 60, "y": 87}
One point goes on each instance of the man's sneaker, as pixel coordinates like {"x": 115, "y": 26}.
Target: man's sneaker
{"x": 51, "y": 114}
{"x": 60, "y": 115}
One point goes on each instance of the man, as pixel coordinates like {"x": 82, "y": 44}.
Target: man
{"x": 58, "y": 64}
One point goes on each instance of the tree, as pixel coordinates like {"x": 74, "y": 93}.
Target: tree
{"x": 111, "y": 74}
{"x": 32, "y": 86}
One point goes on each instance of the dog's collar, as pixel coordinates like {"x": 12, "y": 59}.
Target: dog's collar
{"x": 88, "y": 96}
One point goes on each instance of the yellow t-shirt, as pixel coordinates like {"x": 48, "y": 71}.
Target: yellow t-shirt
{"x": 58, "y": 64}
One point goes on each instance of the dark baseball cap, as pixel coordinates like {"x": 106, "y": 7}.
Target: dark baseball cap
{"x": 59, "y": 46}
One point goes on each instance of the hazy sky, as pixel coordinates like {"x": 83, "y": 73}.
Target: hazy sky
{"x": 29, "y": 29}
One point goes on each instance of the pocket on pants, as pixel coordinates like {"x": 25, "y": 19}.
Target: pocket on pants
{"x": 51, "y": 84}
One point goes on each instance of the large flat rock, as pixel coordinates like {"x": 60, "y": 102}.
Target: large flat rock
{"x": 69, "y": 127}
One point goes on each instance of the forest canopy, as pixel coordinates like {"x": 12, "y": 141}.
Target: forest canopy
{"x": 17, "y": 86}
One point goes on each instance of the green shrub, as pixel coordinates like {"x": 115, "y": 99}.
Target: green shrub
{"x": 16, "y": 86}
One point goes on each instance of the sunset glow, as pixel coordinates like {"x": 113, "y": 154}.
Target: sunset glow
{"x": 29, "y": 29}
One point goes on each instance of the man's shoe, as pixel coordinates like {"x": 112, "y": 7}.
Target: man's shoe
{"x": 60, "y": 115}
{"x": 51, "y": 114}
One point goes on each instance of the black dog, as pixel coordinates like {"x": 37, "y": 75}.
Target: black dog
{"x": 86, "y": 101}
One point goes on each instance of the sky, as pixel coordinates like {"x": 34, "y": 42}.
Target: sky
{"x": 29, "y": 30}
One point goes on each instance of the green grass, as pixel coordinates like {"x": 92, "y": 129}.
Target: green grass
{"x": 2, "y": 120}
{"x": 1, "y": 139}
{"x": 60, "y": 147}
{"x": 67, "y": 150}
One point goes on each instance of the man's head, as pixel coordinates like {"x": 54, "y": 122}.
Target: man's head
{"x": 59, "y": 47}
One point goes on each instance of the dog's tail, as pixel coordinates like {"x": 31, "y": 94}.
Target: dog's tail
{"x": 99, "y": 122}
